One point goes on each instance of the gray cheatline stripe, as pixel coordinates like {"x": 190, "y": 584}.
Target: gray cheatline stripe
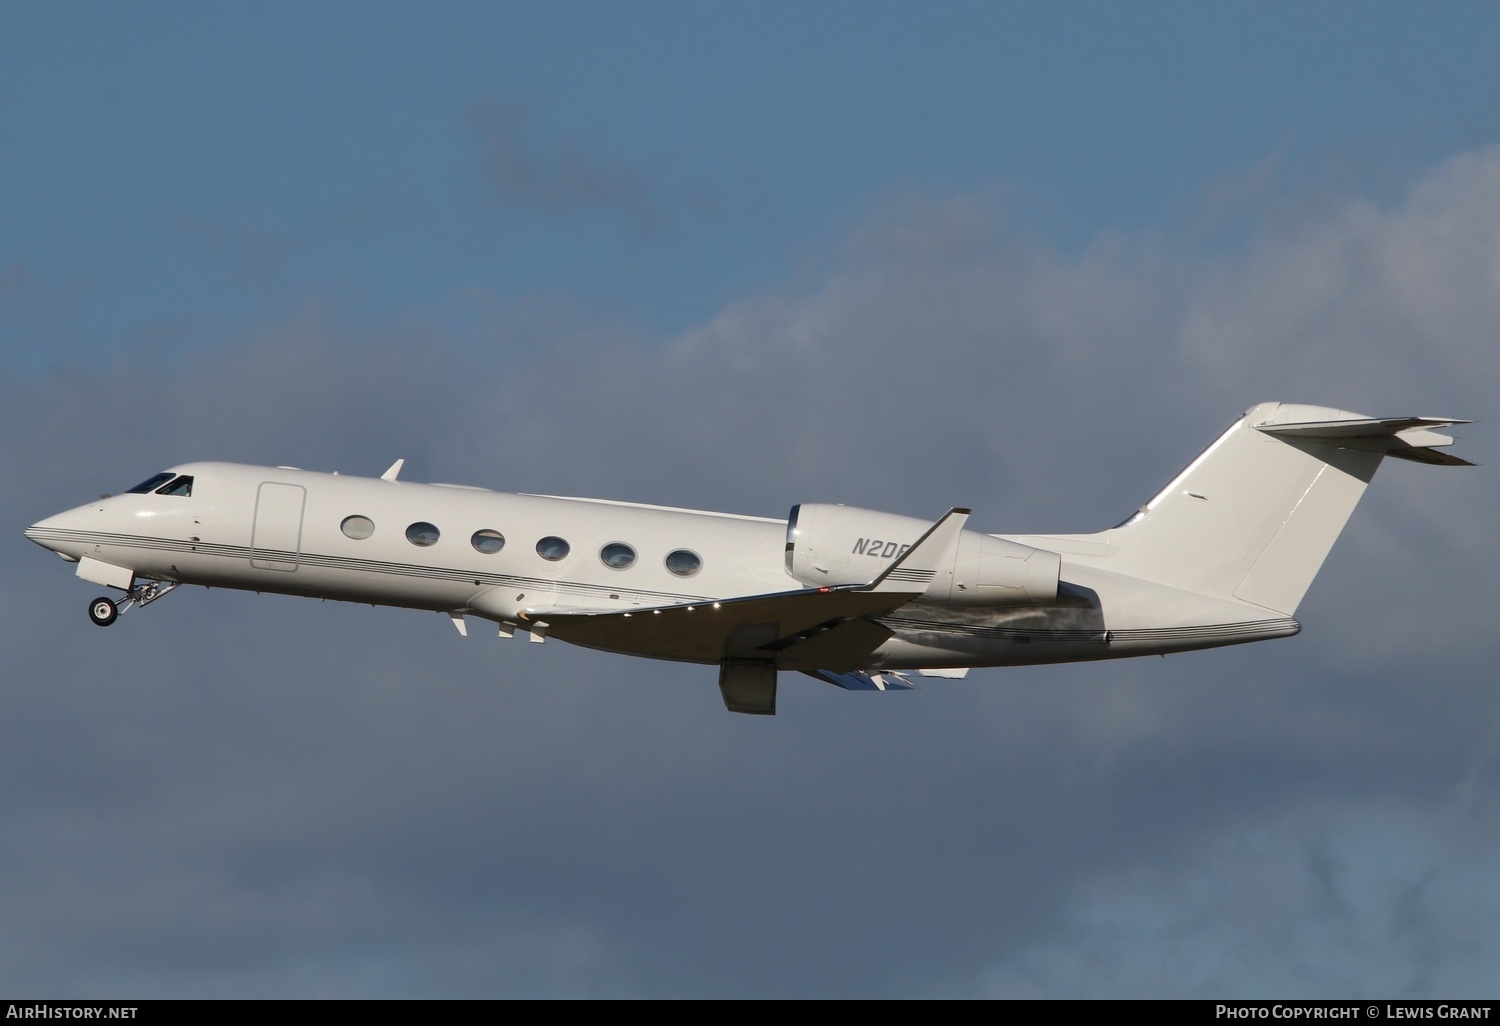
{"x": 347, "y": 563}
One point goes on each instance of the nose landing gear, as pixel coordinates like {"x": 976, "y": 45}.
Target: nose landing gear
{"x": 104, "y": 611}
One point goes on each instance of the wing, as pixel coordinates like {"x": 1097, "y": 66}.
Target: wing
{"x": 861, "y": 680}
{"x": 830, "y": 620}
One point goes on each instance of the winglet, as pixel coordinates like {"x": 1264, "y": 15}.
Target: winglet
{"x": 390, "y": 475}
{"x": 915, "y": 569}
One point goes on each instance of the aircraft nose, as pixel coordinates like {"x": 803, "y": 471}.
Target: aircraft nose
{"x": 44, "y": 531}
{"x": 59, "y": 533}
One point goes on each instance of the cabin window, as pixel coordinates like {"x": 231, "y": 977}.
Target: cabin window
{"x": 617, "y": 555}
{"x": 151, "y": 483}
{"x": 552, "y": 548}
{"x": 357, "y": 527}
{"x": 487, "y": 541}
{"x": 422, "y": 533}
{"x": 684, "y": 563}
{"x": 182, "y": 486}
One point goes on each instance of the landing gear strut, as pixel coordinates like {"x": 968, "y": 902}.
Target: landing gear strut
{"x": 104, "y": 611}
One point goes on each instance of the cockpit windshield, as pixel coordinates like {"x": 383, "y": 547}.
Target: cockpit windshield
{"x": 182, "y": 486}
{"x": 165, "y": 483}
{"x": 151, "y": 484}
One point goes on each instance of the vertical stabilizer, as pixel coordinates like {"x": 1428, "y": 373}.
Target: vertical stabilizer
{"x": 1254, "y": 516}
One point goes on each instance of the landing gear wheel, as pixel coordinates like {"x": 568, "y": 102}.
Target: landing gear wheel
{"x": 103, "y": 612}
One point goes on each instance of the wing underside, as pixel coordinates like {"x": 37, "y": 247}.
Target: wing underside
{"x": 760, "y": 626}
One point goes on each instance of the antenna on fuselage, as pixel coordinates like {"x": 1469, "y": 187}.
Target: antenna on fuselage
{"x": 390, "y": 475}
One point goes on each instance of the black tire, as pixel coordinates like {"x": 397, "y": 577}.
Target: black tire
{"x": 103, "y": 611}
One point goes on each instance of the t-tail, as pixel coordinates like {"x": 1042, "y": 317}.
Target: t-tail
{"x": 1253, "y": 517}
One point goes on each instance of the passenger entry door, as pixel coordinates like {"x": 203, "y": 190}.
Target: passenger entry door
{"x": 276, "y": 537}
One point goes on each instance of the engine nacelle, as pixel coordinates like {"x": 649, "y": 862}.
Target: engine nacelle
{"x": 828, "y": 545}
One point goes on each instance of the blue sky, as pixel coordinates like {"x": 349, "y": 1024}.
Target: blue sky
{"x": 1028, "y": 259}
{"x": 188, "y": 169}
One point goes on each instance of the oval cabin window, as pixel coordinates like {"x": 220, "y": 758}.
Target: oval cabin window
{"x": 422, "y": 533}
{"x": 487, "y": 541}
{"x": 617, "y": 555}
{"x": 552, "y": 548}
{"x": 684, "y": 563}
{"x": 357, "y": 527}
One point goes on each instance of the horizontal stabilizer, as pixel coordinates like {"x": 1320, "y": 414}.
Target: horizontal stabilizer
{"x": 1406, "y": 438}
{"x": 862, "y": 680}
{"x": 1360, "y": 427}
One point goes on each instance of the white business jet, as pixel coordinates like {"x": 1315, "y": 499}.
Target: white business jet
{"x": 1222, "y": 555}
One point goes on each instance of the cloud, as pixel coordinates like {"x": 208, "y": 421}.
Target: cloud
{"x": 1358, "y": 901}
{"x": 557, "y": 176}
{"x": 232, "y": 794}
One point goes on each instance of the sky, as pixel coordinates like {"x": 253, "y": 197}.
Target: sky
{"x": 1028, "y": 259}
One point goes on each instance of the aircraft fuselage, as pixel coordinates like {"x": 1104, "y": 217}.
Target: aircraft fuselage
{"x": 1222, "y": 555}
{"x": 472, "y": 552}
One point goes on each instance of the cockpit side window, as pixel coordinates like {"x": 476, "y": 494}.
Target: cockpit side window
{"x": 151, "y": 483}
{"x": 182, "y": 486}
